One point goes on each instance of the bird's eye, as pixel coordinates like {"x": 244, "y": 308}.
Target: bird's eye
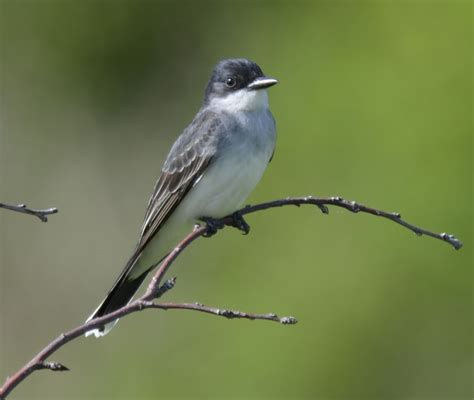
{"x": 230, "y": 82}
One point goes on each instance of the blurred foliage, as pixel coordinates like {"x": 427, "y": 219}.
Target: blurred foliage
{"x": 374, "y": 104}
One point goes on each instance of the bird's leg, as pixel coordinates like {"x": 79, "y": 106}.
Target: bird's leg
{"x": 212, "y": 225}
{"x": 239, "y": 222}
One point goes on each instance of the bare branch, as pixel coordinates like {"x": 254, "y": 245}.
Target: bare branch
{"x": 156, "y": 289}
{"x": 354, "y": 207}
{"x": 21, "y": 208}
{"x": 230, "y": 314}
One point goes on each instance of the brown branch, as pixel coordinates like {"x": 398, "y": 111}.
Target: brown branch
{"x": 155, "y": 289}
{"x": 230, "y": 314}
{"x": 354, "y": 207}
{"x": 21, "y": 208}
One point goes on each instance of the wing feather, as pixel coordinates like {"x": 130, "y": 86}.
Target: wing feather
{"x": 188, "y": 159}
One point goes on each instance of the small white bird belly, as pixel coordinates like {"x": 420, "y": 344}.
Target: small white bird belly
{"x": 225, "y": 186}
{"x": 223, "y": 189}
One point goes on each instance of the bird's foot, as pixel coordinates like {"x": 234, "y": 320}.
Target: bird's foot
{"x": 212, "y": 226}
{"x": 239, "y": 222}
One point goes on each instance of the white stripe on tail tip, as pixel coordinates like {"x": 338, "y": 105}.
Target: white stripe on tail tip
{"x": 98, "y": 332}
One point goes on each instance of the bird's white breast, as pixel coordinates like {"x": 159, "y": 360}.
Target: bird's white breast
{"x": 239, "y": 166}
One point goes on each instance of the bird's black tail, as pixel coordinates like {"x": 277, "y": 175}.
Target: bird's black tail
{"x": 120, "y": 295}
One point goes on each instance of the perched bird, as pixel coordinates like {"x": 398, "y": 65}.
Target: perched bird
{"x": 209, "y": 172}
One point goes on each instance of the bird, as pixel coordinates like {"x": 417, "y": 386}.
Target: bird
{"x": 209, "y": 172}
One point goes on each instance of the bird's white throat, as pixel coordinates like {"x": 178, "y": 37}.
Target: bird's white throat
{"x": 242, "y": 100}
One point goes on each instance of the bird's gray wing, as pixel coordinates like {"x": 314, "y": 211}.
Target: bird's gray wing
{"x": 188, "y": 159}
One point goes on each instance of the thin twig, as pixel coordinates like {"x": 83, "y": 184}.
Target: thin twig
{"x": 22, "y": 208}
{"x": 354, "y": 207}
{"x": 156, "y": 289}
{"x": 230, "y": 314}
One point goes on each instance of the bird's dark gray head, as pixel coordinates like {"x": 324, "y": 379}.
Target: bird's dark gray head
{"x": 238, "y": 74}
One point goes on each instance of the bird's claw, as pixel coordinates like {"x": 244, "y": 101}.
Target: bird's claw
{"x": 239, "y": 222}
{"x": 212, "y": 226}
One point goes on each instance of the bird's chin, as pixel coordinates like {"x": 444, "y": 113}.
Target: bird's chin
{"x": 242, "y": 100}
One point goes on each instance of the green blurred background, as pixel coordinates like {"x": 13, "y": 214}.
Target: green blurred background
{"x": 374, "y": 104}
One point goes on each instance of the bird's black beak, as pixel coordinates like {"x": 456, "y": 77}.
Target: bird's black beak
{"x": 262, "y": 82}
